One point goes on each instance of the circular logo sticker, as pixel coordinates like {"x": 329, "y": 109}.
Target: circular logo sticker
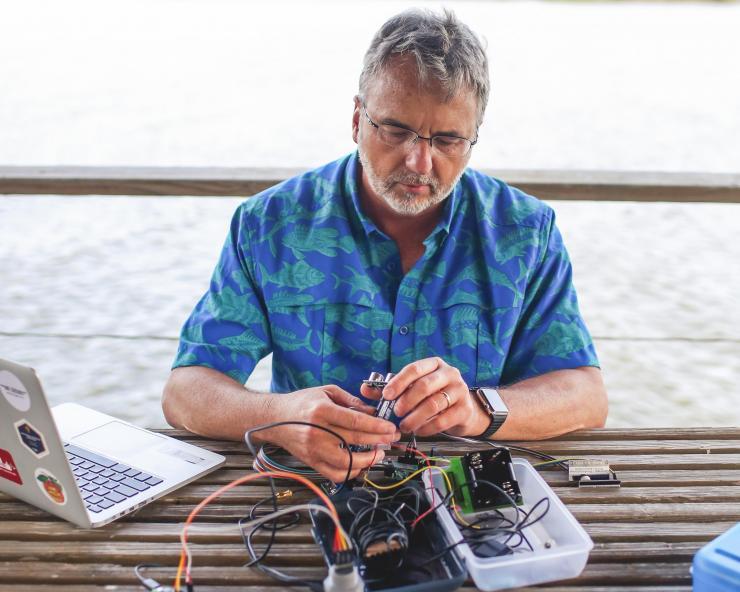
{"x": 51, "y": 487}
{"x": 14, "y": 391}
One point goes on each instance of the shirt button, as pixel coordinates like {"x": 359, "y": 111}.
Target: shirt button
{"x": 403, "y": 330}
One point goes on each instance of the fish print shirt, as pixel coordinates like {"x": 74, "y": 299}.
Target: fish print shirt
{"x": 306, "y": 275}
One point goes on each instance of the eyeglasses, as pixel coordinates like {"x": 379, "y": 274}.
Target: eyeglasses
{"x": 400, "y": 137}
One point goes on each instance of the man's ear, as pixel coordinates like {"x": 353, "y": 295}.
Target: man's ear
{"x": 356, "y": 119}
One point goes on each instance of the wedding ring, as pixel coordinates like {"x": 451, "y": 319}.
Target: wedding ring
{"x": 447, "y": 398}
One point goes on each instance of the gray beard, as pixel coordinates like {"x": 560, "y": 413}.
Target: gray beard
{"x": 407, "y": 204}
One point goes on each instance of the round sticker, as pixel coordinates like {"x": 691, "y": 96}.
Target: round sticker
{"x": 14, "y": 391}
{"x": 51, "y": 487}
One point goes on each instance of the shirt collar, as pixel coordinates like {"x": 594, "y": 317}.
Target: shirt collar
{"x": 352, "y": 188}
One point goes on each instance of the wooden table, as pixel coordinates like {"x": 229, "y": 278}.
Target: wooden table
{"x": 680, "y": 489}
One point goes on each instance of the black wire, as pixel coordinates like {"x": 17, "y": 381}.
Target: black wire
{"x": 255, "y": 560}
{"x": 253, "y": 451}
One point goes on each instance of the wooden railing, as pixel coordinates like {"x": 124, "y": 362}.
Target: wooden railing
{"x": 212, "y": 181}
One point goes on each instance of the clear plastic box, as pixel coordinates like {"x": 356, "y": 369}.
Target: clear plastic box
{"x": 560, "y": 544}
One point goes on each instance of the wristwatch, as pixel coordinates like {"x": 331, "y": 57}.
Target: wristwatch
{"x": 494, "y": 407}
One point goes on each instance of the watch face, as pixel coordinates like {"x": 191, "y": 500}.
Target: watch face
{"x": 495, "y": 402}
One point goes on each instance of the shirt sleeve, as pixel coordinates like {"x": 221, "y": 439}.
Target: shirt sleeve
{"x": 550, "y": 333}
{"x": 228, "y": 330}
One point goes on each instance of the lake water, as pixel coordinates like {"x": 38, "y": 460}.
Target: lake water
{"x": 590, "y": 86}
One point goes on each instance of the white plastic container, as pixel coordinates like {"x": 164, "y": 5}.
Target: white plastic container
{"x": 560, "y": 544}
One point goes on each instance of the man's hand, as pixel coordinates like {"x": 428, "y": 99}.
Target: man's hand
{"x": 420, "y": 389}
{"x": 333, "y": 408}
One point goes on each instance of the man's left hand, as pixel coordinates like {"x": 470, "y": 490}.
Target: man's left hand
{"x": 433, "y": 397}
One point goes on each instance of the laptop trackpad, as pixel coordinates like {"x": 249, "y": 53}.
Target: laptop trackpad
{"x": 118, "y": 439}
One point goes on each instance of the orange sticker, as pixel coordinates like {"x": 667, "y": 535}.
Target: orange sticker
{"x": 51, "y": 487}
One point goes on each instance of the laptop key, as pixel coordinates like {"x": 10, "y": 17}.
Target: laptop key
{"x": 110, "y": 484}
{"x": 137, "y": 485}
{"x": 86, "y": 464}
{"x": 107, "y": 473}
{"x": 125, "y": 490}
{"x": 101, "y": 490}
{"x": 94, "y": 499}
{"x": 77, "y": 471}
{"x": 91, "y": 456}
{"x": 99, "y": 480}
{"x": 154, "y": 481}
{"x": 114, "y": 496}
{"x": 87, "y": 495}
{"x": 119, "y": 468}
{"x": 90, "y": 487}
{"x": 94, "y": 508}
{"x": 132, "y": 473}
{"x": 76, "y": 460}
{"x": 96, "y": 469}
{"x": 142, "y": 477}
{"x": 118, "y": 477}
{"x": 105, "y": 504}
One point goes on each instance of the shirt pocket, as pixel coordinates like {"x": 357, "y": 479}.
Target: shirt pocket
{"x": 356, "y": 341}
{"x": 296, "y": 332}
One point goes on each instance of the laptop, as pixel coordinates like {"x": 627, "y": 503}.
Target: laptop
{"x": 81, "y": 465}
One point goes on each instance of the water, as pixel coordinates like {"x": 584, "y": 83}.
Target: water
{"x": 610, "y": 86}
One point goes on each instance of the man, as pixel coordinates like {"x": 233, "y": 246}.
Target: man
{"x": 394, "y": 259}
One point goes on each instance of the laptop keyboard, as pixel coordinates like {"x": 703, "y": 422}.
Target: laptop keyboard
{"x": 104, "y": 482}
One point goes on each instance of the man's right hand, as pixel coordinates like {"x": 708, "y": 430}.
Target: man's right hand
{"x": 333, "y": 408}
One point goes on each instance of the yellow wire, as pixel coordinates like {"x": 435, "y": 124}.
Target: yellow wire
{"x": 419, "y": 472}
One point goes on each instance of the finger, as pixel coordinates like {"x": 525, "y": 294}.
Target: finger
{"x": 424, "y": 387}
{"x": 443, "y": 422}
{"x": 409, "y": 374}
{"x": 339, "y": 457}
{"x": 370, "y": 392}
{"x": 432, "y": 405}
{"x": 345, "y": 399}
{"x": 365, "y": 438}
{"x": 358, "y": 422}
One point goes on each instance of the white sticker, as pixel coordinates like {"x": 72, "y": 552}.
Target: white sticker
{"x": 51, "y": 486}
{"x": 14, "y": 391}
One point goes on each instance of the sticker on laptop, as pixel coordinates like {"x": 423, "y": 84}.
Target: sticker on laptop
{"x": 31, "y": 438}
{"x": 8, "y": 470}
{"x": 51, "y": 487}
{"x": 14, "y": 391}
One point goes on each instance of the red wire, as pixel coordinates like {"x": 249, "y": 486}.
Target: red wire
{"x": 429, "y": 464}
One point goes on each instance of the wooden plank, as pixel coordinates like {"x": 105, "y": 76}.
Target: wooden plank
{"x": 29, "y": 572}
{"x": 570, "y": 494}
{"x": 618, "y": 434}
{"x": 302, "y": 554}
{"x": 213, "y": 181}
{"x": 552, "y": 447}
{"x": 646, "y": 477}
{"x": 206, "y": 588}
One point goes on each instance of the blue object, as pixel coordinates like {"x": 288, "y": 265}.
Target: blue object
{"x": 716, "y": 566}
{"x": 306, "y": 275}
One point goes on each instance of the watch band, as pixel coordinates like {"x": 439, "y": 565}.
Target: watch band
{"x": 498, "y": 416}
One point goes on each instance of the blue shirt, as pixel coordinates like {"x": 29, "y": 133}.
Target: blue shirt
{"x": 306, "y": 275}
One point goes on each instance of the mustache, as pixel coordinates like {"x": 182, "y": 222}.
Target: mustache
{"x": 411, "y": 179}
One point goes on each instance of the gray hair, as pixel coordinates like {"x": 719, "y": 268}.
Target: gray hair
{"x": 444, "y": 47}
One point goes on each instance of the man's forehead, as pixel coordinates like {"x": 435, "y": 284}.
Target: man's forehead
{"x": 398, "y": 87}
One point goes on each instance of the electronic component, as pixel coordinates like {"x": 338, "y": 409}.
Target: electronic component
{"x": 592, "y": 472}
{"x": 492, "y": 466}
{"x": 385, "y": 407}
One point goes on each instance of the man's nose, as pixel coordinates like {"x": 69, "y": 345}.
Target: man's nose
{"x": 419, "y": 158}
